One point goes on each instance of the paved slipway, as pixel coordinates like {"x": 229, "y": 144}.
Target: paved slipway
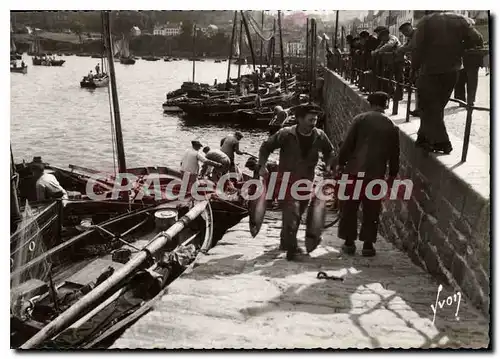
{"x": 245, "y": 294}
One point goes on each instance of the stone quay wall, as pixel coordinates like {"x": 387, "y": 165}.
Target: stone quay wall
{"x": 445, "y": 226}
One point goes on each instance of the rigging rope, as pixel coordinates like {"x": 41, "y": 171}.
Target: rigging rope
{"x": 257, "y": 28}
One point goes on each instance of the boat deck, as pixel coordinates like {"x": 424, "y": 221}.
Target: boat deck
{"x": 245, "y": 294}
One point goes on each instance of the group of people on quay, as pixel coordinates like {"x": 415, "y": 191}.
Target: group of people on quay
{"x": 371, "y": 144}
{"x": 442, "y": 55}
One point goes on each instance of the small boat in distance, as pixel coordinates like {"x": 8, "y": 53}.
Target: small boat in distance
{"x": 23, "y": 69}
{"x": 100, "y": 80}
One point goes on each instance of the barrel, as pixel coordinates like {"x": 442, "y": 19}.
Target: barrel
{"x": 165, "y": 218}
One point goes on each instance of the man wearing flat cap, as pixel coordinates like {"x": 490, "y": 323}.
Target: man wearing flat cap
{"x": 299, "y": 148}
{"x": 371, "y": 145}
{"x": 388, "y": 42}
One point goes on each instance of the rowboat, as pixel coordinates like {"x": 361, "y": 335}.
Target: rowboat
{"x": 19, "y": 69}
{"x": 95, "y": 82}
{"x": 82, "y": 291}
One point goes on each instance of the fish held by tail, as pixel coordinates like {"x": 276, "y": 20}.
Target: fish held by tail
{"x": 257, "y": 207}
{"x": 315, "y": 222}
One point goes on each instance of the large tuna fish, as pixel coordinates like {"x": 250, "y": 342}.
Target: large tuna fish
{"x": 257, "y": 206}
{"x": 315, "y": 222}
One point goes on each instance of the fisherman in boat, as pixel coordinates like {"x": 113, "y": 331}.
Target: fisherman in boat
{"x": 47, "y": 185}
{"x": 214, "y": 174}
{"x": 231, "y": 145}
{"x": 97, "y": 69}
{"x": 190, "y": 162}
{"x": 299, "y": 148}
{"x": 91, "y": 75}
{"x": 279, "y": 117}
{"x": 23, "y": 64}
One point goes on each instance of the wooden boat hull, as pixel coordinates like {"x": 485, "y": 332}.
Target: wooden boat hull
{"x": 226, "y": 213}
{"x": 96, "y": 274}
{"x": 19, "y": 70}
{"x": 127, "y": 61}
{"x": 95, "y": 82}
{"x": 40, "y": 62}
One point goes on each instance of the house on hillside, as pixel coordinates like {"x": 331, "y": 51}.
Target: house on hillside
{"x": 169, "y": 29}
{"x": 135, "y": 31}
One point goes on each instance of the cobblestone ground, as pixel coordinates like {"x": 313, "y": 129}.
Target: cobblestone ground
{"x": 245, "y": 294}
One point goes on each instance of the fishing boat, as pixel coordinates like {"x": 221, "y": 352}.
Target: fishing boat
{"x": 85, "y": 289}
{"x": 75, "y": 293}
{"x": 150, "y": 58}
{"x": 43, "y": 59}
{"x": 126, "y": 57}
{"x": 18, "y": 69}
{"x": 96, "y": 81}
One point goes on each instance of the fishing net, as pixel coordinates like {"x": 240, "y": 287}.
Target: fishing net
{"x": 27, "y": 244}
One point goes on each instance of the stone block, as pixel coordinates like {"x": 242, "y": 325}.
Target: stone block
{"x": 457, "y": 240}
{"x": 447, "y": 214}
{"x": 426, "y": 228}
{"x": 474, "y": 207}
{"x": 454, "y": 190}
{"x": 446, "y": 253}
{"x": 483, "y": 279}
{"x": 415, "y": 212}
{"x": 458, "y": 268}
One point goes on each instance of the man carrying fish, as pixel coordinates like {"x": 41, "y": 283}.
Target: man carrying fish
{"x": 299, "y": 148}
{"x": 371, "y": 145}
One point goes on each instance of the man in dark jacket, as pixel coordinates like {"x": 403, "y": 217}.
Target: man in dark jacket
{"x": 437, "y": 50}
{"x": 472, "y": 61}
{"x": 299, "y": 148}
{"x": 371, "y": 144}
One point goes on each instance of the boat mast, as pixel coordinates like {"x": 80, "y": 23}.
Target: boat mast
{"x": 122, "y": 167}
{"x": 231, "y": 48}
{"x": 281, "y": 51}
{"x": 240, "y": 51}
{"x": 194, "y": 50}
{"x": 247, "y": 30}
{"x": 261, "y": 41}
{"x": 274, "y": 43}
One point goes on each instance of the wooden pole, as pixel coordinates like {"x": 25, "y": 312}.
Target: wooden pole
{"x": 274, "y": 43}
{"x": 307, "y": 43}
{"x": 194, "y": 51}
{"x": 336, "y": 29}
{"x": 122, "y": 167}
{"x": 281, "y": 52}
{"x": 249, "y": 37}
{"x": 231, "y": 48}
{"x": 261, "y": 41}
{"x": 240, "y": 50}
{"x": 97, "y": 295}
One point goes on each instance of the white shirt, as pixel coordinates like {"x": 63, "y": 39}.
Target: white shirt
{"x": 47, "y": 187}
{"x": 190, "y": 161}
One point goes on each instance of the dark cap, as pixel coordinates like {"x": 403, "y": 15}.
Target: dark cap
{"x": 364, "y": 33}
{"x": 378, "y": 98}
{"x": 37, "y": 166}
{"x": 238, "y": 134}
{"x": 304, "y": 109}
{"x": 380, "y": 29}
{"x": 37, "y": 159}
{"x": 405, "y": 24}
{"x": 196, "y": 143}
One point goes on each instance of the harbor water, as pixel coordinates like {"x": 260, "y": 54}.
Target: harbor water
{"x": 52, "y": 117}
